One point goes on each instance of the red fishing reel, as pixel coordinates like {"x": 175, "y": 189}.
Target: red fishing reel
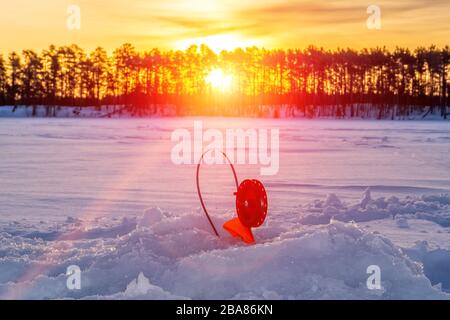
{"x": 251, "y": 206}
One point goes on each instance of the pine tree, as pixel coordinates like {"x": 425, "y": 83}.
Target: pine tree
{"x": 3, "y": 81}
{"x": 14, "y": 76}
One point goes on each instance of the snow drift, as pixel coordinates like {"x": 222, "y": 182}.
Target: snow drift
{"x": 435, "y": 208}
{"x": 161, "y": 255}
{"x": 368, "y": 111}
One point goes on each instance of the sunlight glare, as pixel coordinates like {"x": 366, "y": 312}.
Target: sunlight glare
{"x": 219, "y": 81}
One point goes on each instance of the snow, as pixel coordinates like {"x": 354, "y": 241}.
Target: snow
{"x": 102, "y": 194}
{"x": 150, "y": 217}
{"x": 435, "y": 263}
{"x": 169, "y": 110}
{"x": 77, "y": 112}
{"x": 433, "y": 208}
{"x": 326, "y": 262}
{"x": 141, "y": 288}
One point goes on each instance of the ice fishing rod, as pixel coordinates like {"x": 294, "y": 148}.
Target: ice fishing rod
{"x": 251, "y": 205}
{"x": 198, "y": 186}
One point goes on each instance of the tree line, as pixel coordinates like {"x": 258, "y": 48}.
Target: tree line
{"x": 400, "y": 81}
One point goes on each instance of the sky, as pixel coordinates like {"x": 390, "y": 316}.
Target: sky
{"x": 224, "y": 24}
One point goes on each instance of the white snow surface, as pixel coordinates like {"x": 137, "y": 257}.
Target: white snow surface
{"x": 367, "y": 111}
{"x": 103, "y": 195}
{"x": 178, "y": 258}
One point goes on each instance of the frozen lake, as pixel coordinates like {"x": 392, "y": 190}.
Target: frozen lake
{"x": 54, "y": 168}
{"x": 104, "y": 195}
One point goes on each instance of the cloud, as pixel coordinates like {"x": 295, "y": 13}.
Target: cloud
{"x": 151, "y": 23}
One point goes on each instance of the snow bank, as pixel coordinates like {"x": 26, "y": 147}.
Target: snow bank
{"x": 435, "y": 208}
{"x": 436, "y": 263}
{"x": 166, "y": 256}
{"x": 327, "y": 263}
{"x": 367, "y": 111}
{"x": 109, "y": 111}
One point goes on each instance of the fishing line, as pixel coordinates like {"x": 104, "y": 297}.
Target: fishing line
{"x": 198, "y": 185}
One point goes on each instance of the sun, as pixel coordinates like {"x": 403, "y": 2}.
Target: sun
{"x": 219, "y": 80}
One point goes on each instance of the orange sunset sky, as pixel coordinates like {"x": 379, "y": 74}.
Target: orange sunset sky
{"x": 223, "y": 24}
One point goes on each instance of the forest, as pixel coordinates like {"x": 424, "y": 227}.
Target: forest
{"x": 399, "y": 81}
